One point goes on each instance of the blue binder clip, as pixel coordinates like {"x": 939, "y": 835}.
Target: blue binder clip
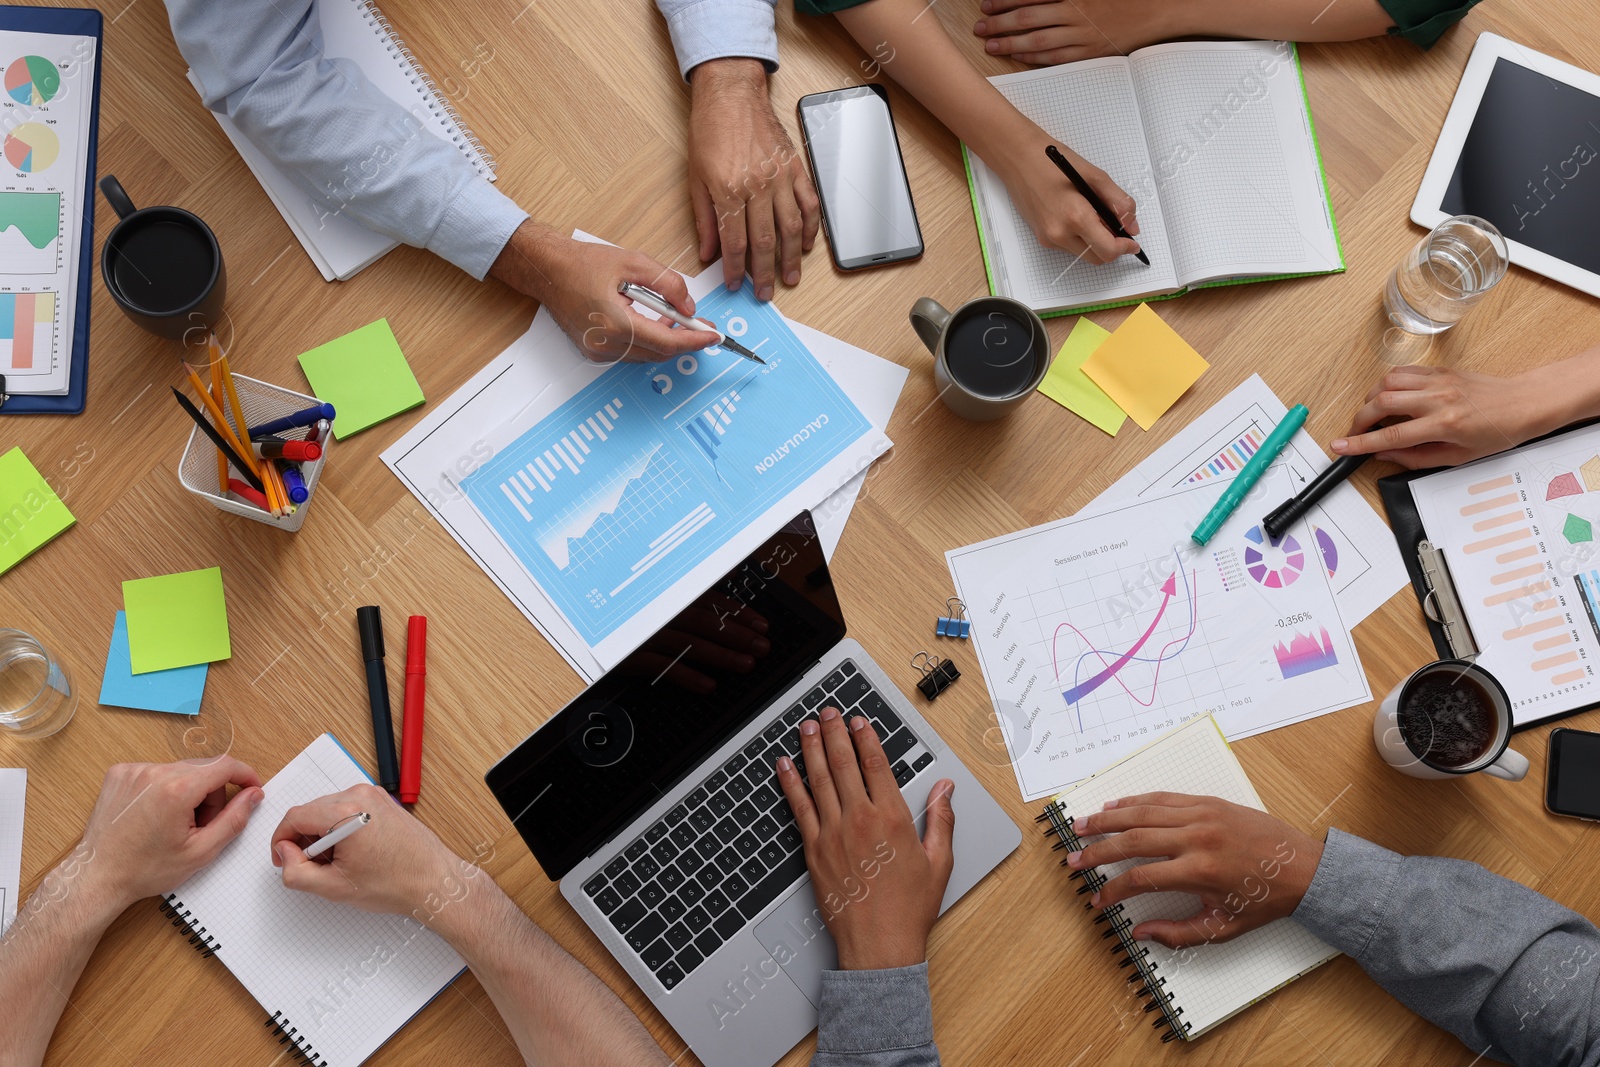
{"x": 956, "y": 624}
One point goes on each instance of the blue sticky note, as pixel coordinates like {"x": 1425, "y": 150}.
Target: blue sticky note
{"x": 176, "y": 691}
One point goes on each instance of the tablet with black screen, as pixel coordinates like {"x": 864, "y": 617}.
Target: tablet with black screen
{"x": 1521, "y": 148}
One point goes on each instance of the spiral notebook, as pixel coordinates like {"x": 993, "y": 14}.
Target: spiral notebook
{"x": 1192, "y": 989}
{"x": 336, "y": 982}
{"x": 357, "y": 31}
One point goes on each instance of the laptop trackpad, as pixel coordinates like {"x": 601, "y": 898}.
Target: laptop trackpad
{"x": 799, "y": 940}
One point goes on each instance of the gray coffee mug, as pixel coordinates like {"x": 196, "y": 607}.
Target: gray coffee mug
{"x": 988, "y": 355}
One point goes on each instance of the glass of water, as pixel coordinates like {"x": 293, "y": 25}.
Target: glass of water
{"x": 37, "y": 696}
{"x": 1445, "y": 274}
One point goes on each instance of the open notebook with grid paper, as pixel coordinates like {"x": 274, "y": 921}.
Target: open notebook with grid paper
{"x": 1215, "y": 143}
{"x": 335, "y": 981}
{"x": 1193, "y": 989}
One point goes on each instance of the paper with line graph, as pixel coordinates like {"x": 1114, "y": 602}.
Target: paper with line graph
{"x": 641, "y": 489}
{"x": 1518, "y": 534}
{"x": 1101, "y": 632}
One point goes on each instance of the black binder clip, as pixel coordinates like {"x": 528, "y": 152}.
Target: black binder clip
{"x": 937, "y": 674}
{"x": 4, "y": 396}
{"x": 956, "y": 624}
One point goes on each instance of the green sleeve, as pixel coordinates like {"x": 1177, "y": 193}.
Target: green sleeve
{"x": 825, "y": 7}
{"x": 1422, "y": 22}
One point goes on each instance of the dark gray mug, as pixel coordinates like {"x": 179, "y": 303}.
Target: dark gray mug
{"x": 163, "y": 267}
{"x": 988, "y": 355}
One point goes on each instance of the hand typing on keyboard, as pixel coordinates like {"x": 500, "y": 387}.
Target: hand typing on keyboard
{"x": 878, "y": 885}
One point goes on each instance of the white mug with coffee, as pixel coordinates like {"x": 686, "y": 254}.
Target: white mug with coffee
{"x": 1449, "y": 718}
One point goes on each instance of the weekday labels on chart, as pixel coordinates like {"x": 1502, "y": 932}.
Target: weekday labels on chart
{"x": 1518, "y": 532}
{"x": 45, "y": 115}
{"x": 1100, "y": 632}
{"x": 624, "y": 489}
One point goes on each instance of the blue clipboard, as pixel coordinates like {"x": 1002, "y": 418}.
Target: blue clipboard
{"x": 77, "y": 22}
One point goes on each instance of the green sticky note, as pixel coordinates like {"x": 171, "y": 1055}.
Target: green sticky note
{"x": 1067, "y": 385}
{"x": 30, "y": 512}
{"x": 176, "y": 620}
{"x": 364, "y": 375}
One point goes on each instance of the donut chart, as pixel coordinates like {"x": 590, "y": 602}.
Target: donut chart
{"x": 1273, "y": 563}
{"x": 32, "y": 147}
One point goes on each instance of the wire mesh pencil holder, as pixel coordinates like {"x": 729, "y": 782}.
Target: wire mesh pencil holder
{"x": 262, "y": 402}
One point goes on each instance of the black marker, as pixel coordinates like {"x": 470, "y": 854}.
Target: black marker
{"x": 369, "y": 620}
{"x": 1289, "y": 512}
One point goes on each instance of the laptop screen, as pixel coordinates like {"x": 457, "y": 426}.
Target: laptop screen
{"x": 627, "y": 739}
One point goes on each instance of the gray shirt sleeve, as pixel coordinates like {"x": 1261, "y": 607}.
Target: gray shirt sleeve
{"x": 1507, "y": 970}
{"x": 876, "y": 1019}
{"x": 349, "y": 146}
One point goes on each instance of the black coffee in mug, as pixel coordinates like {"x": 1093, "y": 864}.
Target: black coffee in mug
{"x": 991, "y": 353}
{"x": 161, "y": 266}
{"x": 1448, "y": 719}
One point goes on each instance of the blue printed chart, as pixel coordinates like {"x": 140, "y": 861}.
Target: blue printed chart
{"x": 641, "y": 476}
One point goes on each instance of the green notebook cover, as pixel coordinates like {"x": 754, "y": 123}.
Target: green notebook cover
{"x": 1327, "y": 200}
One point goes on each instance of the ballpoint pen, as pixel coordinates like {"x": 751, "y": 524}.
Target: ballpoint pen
{"x": 658, "y": 303}
{"x": 1086, "y": 191}
{"x": 337, "y": 834}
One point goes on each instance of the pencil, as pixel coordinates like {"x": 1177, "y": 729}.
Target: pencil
{"x": 222, "y": 426}
{"x": 217, "y": 438}
{"x": 220, "y": 360}
{"x": 1086, "y": 191}
{"x": 222, "y": 457}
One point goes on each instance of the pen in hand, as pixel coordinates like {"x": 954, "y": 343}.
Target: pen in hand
{"x": 659, "y": 304}
{"x": 1086, "y": 191}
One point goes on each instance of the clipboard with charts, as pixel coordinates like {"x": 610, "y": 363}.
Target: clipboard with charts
{"x": 1504, "y": 557}
{"x": 49, "y": 120}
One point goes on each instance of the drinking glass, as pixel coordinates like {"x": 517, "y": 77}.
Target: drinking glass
{"x": 37, "y": 696}
{"x": 1445, "y": 274}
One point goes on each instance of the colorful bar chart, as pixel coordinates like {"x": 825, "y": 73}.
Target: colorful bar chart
{"x": 27, "y": 330}
{"x": 1230, "y": 459}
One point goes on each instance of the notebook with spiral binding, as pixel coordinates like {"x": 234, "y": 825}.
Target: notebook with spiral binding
{"x": 1188, "y": 990}
{"x": 357, "y": 31}
{"x": 336, "y": 982}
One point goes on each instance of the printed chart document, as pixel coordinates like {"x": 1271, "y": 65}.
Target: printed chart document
{"x": 1351, "y": 539}
{"x": 541, "y": 372}
{"x": 1098, "y": 633}
{"x": 1215, "y": 142}
{"x": 45, "y": 114}
{"x": 13, "y": 797}
{"x": 1518, "y": 534}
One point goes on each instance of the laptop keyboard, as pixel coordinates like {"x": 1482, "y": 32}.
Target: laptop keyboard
{"x": 709, "y": 866}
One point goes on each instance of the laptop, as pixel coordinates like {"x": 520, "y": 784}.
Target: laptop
{"x": 653, "y": 800}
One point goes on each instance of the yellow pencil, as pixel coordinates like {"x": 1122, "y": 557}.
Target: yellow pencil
{"x": 221, "y": 420}
{"x": 269, "y": 471}
{"x": 220, "y": 360}
{"x": 222, "y": 457}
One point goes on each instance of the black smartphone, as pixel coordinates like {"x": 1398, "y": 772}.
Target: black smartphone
{"x": 861, "y": 177}
{"x": 1572, "y": 780}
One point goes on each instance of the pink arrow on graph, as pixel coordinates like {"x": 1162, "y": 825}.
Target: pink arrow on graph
{"x": 1078, "y": 692}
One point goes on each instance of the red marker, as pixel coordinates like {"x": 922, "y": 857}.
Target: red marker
{"x": 249, "y": 494}
{"x": 411, "y": 728}
{"x": 294, "y": 451}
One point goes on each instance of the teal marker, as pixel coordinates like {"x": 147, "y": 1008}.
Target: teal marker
{"x": 1246, "y": 479}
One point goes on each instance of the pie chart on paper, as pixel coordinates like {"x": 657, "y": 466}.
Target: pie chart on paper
{"x": 32, "y": 147}
{"x": 32, "y": 80}
{"x": 1273, "y": 563}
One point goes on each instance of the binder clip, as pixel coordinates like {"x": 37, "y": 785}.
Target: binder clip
{"x": 3, "y": 395}
{"x": 956, "y": 624}
{"x": 937, "y": 674}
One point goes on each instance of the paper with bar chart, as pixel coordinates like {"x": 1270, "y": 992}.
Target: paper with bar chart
{"x": 1099, "y": 632}
{"x": 624, "y": 497}
{"x": 1351, "y": 539}
{"x": 1518, "y": 532}
{"x": 45, "y": 116}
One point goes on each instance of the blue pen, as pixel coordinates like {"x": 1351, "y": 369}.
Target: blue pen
{"x": 1246, "y": 479}
{"x": 308, "y": 417}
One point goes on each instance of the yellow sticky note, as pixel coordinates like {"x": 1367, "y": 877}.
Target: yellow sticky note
{"x": 1145, "y": 366}
{"x": 1068, "y": 386}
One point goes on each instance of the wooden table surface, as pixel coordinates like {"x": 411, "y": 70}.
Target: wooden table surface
{"x": 586, "y": 114}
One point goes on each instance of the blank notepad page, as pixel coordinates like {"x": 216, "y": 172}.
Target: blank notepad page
{"x": 344, "y": 979}
{"x": 1209, "y": 982}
